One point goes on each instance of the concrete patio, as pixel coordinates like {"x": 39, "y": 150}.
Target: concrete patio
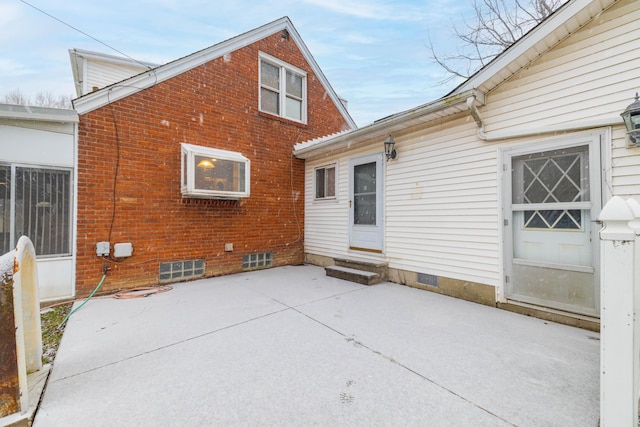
{"x": 290, "y": 346}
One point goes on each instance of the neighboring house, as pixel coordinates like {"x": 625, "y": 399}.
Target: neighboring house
{"x": 496, "y": 188}
{"x": 37, "y": 175}
{"x": 95, "y": 70}
{"x": 186, "y": 170}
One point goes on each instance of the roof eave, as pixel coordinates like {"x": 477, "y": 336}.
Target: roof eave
{"x": 529, "y": 41}
{"x": 388, "y": 125}
{"x": 25, "y": 112}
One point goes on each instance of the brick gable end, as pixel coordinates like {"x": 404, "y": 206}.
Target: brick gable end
{"x": 130, "y": 149}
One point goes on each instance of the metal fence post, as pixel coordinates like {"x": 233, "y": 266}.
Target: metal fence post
{"x": 618, "y": 367}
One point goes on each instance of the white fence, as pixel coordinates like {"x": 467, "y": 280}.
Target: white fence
{"x": 620, "y": 306}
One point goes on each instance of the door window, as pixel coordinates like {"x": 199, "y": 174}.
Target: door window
{"x": 559, "y": 176}
{"x": 364, "y": 194}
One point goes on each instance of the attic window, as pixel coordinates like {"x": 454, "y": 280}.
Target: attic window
{"x": 210, "y": 173}
{"x": 283, "y": 89}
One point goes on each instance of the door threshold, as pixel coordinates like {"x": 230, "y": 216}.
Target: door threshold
{"x": 582, "y": 321}
{"x": 355, "y": 248}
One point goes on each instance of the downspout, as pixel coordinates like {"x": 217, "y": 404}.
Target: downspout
{"x": 471, "y": 104}
{"x": 553, "y": 129}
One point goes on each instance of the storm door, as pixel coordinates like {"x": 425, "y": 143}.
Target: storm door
{"x": 554, "y": 200}
{"x": 365, "y": 203}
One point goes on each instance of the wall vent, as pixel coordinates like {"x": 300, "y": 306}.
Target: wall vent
{"x": 176, "y": 271}
{"x": 257, "y": 260}
{"x": 428, "y": 279}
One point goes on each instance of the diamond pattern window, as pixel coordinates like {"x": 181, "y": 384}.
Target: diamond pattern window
{"x": 552, "y": 183}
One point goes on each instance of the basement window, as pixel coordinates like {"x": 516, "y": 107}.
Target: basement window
{"x": 176, "y": 271}
{"x": 210, "y": 173}
{"x": 257, "y": 260}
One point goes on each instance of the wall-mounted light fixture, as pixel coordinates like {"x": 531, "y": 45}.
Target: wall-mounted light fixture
{"x": 389, "y": 148}
{"x": 631, "y": 117}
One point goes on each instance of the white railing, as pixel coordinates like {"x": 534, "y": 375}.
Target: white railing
{"x": 620, "y": 308}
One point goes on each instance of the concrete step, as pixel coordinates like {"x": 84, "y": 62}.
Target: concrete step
{"x": 375, "y": 267}
{"x": 353, "y": 275}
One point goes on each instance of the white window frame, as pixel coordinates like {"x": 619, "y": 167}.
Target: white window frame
{"x": 282, "y": 90}
{"x": 188, "y": 172}
{"x": 333, "y": 166}
{"x": 13, "y": 200}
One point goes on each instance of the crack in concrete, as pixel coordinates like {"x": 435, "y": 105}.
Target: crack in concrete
{"x": 392, "y": 360}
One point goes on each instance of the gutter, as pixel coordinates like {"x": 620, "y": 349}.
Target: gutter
{"x": 26, "y": 112}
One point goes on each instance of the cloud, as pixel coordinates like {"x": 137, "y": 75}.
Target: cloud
{"x": 359, "y": 38}
{"x": 8, "y": 13}
{"x": 14, "y": 68}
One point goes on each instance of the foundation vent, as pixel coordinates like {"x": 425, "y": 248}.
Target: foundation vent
{"x": 428, "y": 279}
{"x": 257, "y": 260}
{"x": 176, "y": 271}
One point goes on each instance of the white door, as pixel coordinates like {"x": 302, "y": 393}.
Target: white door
{"x": 553, "y": 197}
{"x": 365, "y": 203}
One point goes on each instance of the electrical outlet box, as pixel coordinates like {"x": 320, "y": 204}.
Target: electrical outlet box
{"x": 121, "y": 250}
{"x": 102, "y": 248}
{"x": 228, "y": 247}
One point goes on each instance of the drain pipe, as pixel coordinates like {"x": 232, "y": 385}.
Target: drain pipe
{"x": 547, "y": 130}
{"x": 471, "y": 104}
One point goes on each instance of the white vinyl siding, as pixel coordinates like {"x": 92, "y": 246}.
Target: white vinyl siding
{"x": 442, "y": 205}
{"x": 590, "y": 76}
{"x": 100, "y": 73}
{"x": 442, "y": 195}
{"x": 327, "y": 221}
{"x": 441, "y": 211}
{"x": 625, "y": 174}
{"x": 587, "y": 76}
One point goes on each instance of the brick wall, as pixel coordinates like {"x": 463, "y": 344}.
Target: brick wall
{"x": 130, "y": 149}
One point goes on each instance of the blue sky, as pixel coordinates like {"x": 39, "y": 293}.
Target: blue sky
{"x": 373, "y": 52}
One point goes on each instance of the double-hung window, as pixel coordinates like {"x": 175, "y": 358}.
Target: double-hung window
{"x": 36, "y": 202}
{"x": 283, "y": 89}
{"x": 325, "y": 182}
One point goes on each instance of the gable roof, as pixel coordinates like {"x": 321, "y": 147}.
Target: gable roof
{"x": 565, "y": 21}
{"x": 149, "y": 78}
